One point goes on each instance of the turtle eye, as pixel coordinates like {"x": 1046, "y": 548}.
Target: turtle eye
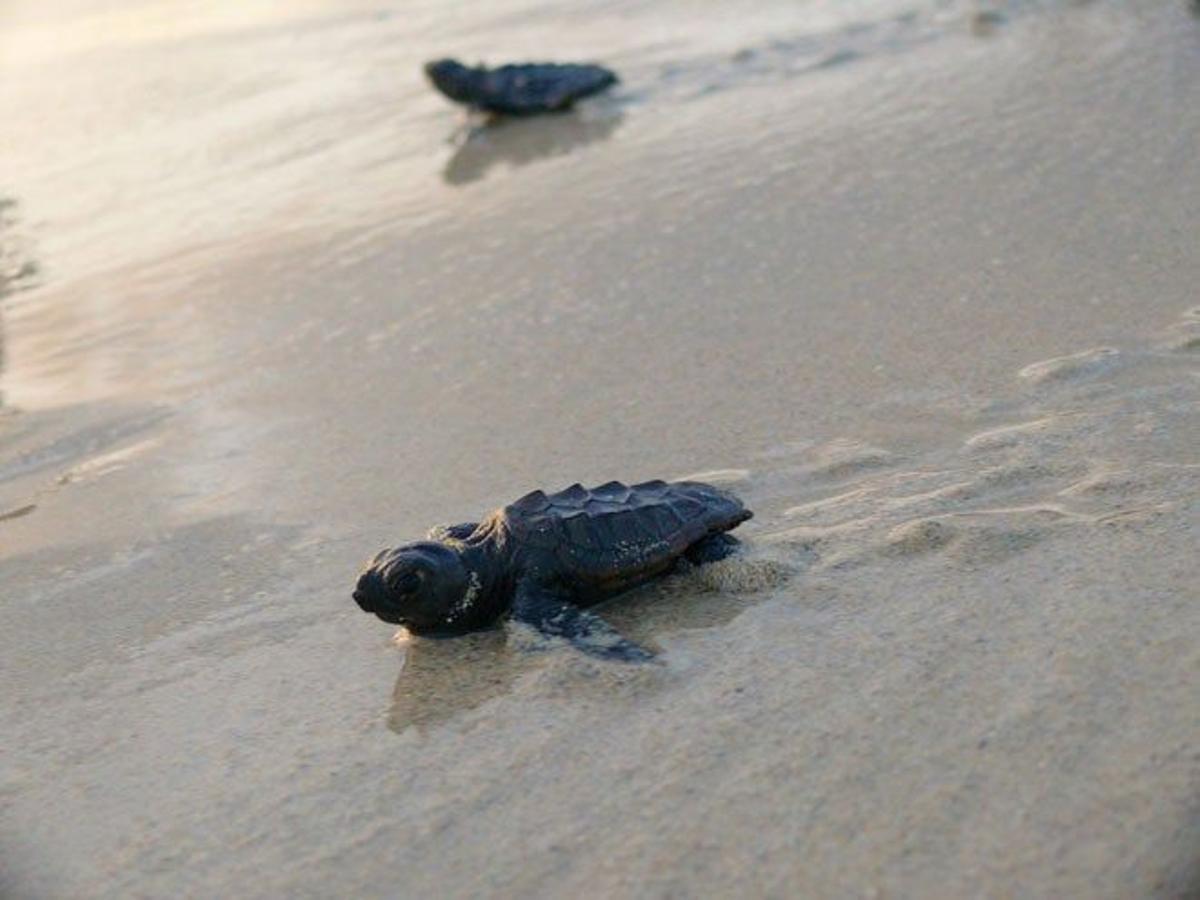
{"x": 406, "y": 583}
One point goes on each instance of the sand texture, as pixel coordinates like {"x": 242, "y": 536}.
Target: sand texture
{"x": 917, "y": 280}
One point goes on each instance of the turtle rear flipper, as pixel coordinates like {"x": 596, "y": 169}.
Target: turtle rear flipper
{"x": 553, "y": 614}
{"x": 713, "y": 548}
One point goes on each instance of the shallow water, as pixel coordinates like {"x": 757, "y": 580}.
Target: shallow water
{"x": 916, "y": 281}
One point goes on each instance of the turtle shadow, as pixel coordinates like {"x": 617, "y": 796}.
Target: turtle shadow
{"x": 442, "y": 678}
{"x": 519, "y": 142}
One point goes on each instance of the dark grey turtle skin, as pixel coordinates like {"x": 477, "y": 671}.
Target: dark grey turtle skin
{"x": 519, "y": 90}
{"x": 545, "y": 558}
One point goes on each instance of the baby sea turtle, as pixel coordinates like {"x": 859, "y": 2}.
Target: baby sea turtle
{"x": 518, "y": 90}
{"x": 546, "y": 557}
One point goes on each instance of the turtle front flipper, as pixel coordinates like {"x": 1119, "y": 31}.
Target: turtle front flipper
{"x": 553, "y": 614}
{"x": 452, "y": 532}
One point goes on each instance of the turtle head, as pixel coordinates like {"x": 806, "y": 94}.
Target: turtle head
{"x": 453, "y": 79}
{"x": 425, "y": 587}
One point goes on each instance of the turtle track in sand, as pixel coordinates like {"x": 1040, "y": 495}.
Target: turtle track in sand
{"x": 1092, "y": 439}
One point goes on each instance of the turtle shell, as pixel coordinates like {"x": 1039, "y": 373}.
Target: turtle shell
{"x": 540, "y": 87}
{"x": 616, "y": 535}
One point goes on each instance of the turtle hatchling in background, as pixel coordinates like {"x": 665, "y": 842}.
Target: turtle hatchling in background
{"x": 544, "y": 558}
{"x": 519, "y": 90}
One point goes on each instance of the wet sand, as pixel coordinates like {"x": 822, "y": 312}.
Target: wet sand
{"x": 917, "y": 282}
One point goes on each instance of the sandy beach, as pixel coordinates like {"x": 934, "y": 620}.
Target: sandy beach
{"x": 916, "y": 279}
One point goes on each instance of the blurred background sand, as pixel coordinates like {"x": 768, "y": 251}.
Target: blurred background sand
{"x": 917, "y": 279}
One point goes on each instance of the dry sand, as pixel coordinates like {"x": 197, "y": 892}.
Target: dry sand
{"x": 917, "y": 279}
